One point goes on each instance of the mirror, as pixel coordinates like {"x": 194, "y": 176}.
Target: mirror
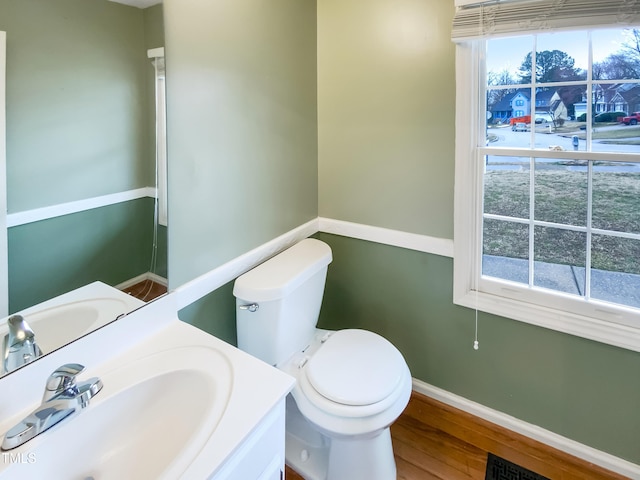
{"x": 81, "y": 147}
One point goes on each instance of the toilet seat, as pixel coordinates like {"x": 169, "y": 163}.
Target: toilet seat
{"x": 335, "y": 418}
{"x": 355, "y": 368}
{"x": 340, "y": 419}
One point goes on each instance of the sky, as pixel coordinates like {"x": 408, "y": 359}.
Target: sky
{"x": 508, "y": 53}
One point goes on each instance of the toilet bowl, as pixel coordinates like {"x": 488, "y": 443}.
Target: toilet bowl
{"x": 351, "y": 384}
{"x": 353, "y": 416}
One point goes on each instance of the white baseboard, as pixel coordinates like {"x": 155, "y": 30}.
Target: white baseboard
{"x": 589, "y": 454}
{"x": 141, "y": 278}
{"x": 204, "y": 284}
{"x": 386, "y": 236}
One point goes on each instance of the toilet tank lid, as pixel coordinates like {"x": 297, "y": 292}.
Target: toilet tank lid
{"x": 283, "y": 273}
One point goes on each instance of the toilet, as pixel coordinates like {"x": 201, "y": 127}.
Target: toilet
{"x": 351, "y": 384}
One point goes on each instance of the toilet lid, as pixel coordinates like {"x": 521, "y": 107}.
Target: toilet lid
{"x": 355, "y": 367}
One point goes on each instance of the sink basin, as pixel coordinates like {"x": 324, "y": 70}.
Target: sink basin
{"x": 151, "y": 419}
{"x": 56, "y": 326}
{"x": 72, "y": 315}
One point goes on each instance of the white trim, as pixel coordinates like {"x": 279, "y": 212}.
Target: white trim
{"x": 214, "y": 279}
{"x": 4, "y": 255}
{"x": 52, "y": 211}
{"x": 155, "y": 52}
{"x": 589, "y": 454}
{"x": 386, "y": 236}
{"x": 197, "y": 288}
{"x": 610, "y": 333}
{"x": 466, "y": 192}
{"x": 157, "y": 56}
{"x": 141, "y": 278}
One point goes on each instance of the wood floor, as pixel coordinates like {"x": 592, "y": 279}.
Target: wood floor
{"x": 146, "y": 290}
{"x": 432, "y": 440}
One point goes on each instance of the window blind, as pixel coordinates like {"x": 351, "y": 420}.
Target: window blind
{"x": 492, "y": 19}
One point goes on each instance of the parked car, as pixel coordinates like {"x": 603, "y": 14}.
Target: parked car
{"x": 632, "y": 119}
{"x": 519, "y": 127}
{"x": 543, "y": 118}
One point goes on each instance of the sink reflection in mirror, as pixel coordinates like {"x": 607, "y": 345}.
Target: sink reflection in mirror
{"x": 67, "y": 317}
{"x": 81, "y": 141}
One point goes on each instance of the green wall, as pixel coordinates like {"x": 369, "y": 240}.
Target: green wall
{"x": 215, "y": 314}
{"x": 153, "y": 26}
{"x": 76, "y": 101}
{"x": 242, "y": 127}
{"x": 80, "y": 124}
{"x": 50, "y": 257}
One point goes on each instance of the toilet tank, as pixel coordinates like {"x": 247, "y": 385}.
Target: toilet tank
{"x": 288, "y": 291}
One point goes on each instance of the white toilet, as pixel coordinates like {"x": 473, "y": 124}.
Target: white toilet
{"x": 351, "y": 384}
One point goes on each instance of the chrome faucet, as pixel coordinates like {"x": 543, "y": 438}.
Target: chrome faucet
{"x": 62, "y": 398}
{"x": 20, "y": 345}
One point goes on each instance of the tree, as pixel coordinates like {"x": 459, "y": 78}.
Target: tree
{"x": 624, "y": 64}
{"x": 616, "y": 66}
{"x": 500, "y": 78}
{"x": 632, "y": 46}
{"x": 495, "y": 96}
{"x": 551, "y": 66}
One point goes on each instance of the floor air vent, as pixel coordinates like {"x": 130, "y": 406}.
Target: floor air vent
{"x": 501, "y": 469}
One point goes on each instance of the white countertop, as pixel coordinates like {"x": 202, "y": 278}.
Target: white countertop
{"x": 257, "y": 387}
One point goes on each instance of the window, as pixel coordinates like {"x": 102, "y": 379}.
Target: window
{"x": 157, "y": 57}
{"x": 548, "y": 216}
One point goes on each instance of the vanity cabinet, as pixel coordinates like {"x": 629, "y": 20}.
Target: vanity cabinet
{"x": 261, "y": 455}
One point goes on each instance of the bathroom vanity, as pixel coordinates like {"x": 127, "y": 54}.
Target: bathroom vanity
{"x": 175, "y": 403}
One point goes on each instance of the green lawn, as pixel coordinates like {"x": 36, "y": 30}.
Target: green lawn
{"x": 626, "y": 134}
{"x": 560, "y": 196}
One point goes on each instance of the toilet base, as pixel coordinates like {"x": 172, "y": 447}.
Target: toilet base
{"x": 306, "y": 449}
{"x": 318, "y": 457}
{"x": 362, "y": 458}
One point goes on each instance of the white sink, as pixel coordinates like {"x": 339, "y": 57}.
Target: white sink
{"x": 67, "y": 317}
{"x": 59, "y": 325}
{"x": 176, "y": 403}
{"x": 149, "y": 421}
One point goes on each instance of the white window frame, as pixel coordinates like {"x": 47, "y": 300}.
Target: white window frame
{"x": 157, "y": 54}
{"x": 599, "y": 321}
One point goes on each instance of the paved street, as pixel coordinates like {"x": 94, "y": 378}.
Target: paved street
{"x": 505, "y": 137}
{"x": 622, "y": 288}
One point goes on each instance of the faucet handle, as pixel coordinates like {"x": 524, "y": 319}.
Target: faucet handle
{"x": 63, "y": 379}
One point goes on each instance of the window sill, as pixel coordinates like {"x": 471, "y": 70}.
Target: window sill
{"x": 610, "y": 333}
